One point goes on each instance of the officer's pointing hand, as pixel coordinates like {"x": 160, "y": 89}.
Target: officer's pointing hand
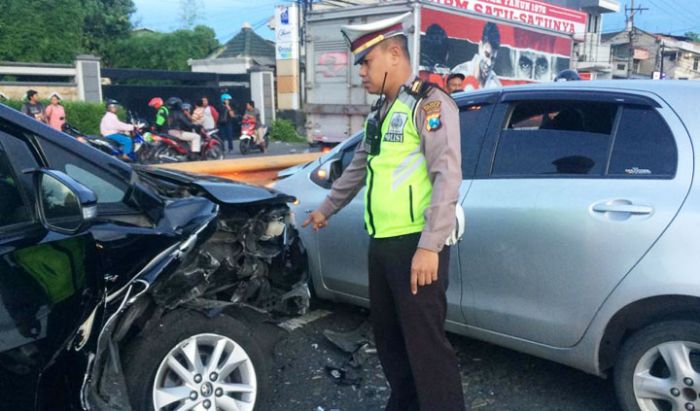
{"x": 316, "y": 219}
{"x": 424, "y": 269}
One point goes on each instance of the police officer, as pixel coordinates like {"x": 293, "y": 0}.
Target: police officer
{"x": 410, "y": 164}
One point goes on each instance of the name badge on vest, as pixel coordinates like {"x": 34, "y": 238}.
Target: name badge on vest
{"x": 395, "y": 132}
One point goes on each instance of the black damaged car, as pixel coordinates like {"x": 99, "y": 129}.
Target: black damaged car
{"x": 119, "y": 285}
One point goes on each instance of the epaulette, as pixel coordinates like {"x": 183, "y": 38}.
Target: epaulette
{"x": 420, "y": 88}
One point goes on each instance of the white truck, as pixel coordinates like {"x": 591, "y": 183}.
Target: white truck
{"x": 490, "y": 42}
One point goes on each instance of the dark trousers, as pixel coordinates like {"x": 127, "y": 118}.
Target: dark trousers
{"x": 417, "y": 358}
{"x": 226, "y": 132}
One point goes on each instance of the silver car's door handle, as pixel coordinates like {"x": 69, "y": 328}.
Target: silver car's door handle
{"x": 623, "y": 208}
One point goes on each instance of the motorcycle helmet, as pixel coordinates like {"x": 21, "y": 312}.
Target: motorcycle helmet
{"x": 173, "y": 102}
{"x": 567, "y": 75}
{"x": 225, "y": 97}
{"x": 110, "y": 102}
{"x": 186, "y": 106}
{"x": 156, "y": 102}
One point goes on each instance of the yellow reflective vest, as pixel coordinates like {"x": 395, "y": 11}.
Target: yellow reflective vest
{"x": 398, "y": 187}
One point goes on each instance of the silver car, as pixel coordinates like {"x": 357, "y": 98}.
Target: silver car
{"x": 581, "y": 239}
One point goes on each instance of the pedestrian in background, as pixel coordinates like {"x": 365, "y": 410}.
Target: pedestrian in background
{"x": 210, "y": 115}
{"x": 454, "y": 83}
{"x": 198, "y": 113}
{"x": 226, "y": 119}
{"x": 410, "y": 163}
{"x": 55, "y": 113}
{"x": 33, "y": 107}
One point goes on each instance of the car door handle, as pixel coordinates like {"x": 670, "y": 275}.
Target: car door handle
{"x": 626, "y": 207}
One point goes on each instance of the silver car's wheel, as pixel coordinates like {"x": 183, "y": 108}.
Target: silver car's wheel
{"x": 206, "y": 372}
{"x": 658, "y": 368}
{"x": 665, "y": 377}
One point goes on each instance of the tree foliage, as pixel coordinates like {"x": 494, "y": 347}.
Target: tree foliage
{"x": 164, "y": 51}
{"x": 40, "y": 30}
{"x": 191, "y": 11}
{"x": 55, "y": 31}
{"x": 106, "y": 22}
{"x": 693, "y": 35}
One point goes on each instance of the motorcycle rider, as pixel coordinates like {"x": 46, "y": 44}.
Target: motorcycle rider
{"x": 112, "y": 128}
{"x": 162, "y": 114}
{"x": 250, "y": 110}
{"x": 180, "y": 126}
{"x": 187, "y": 111}
{"x": 567, "y": 75}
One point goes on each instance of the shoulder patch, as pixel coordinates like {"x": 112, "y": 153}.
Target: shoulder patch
{"x": 432, "y": 107}
{"x": 432, "y": 122}
{"x": 432, "y": 111}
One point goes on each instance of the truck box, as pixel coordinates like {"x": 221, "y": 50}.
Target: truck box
{"x": 536, "y": 41}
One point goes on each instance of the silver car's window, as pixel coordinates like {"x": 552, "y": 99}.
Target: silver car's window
{"x": 555, "y": 138}
{"x": 474, "y": 121}
{"x": 644, "y": 146}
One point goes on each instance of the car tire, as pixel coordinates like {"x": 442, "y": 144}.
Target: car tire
{"x": 157, "y": 359}
{"x": 642, "y": 369}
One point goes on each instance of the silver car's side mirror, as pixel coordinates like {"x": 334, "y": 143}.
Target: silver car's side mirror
{"x": 325, "y": 174}
{"x": 64, "y": 205}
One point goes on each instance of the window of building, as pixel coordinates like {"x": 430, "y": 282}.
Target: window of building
{"x": 696, "y": 62}
{"x": 550, "y": 138}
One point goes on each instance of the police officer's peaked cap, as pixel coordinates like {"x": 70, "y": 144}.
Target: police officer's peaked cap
{"x": 362, "y": 37}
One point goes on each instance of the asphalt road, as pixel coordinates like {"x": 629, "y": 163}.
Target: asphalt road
{"x": 493, "y": 378}
{"x": 276, "y": 148}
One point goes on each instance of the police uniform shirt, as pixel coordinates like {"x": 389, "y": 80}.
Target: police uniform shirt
{"x": 437, "y": 119}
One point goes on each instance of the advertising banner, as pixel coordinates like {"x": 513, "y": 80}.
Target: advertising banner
{"x": 286, "y": 32}
{"x": 487, "y": 54}
{"x": 530, "y": 12}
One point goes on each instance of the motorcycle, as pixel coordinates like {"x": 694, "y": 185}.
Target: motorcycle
{"x": 174, "y": 150}
{"x": 143, "y": 145}
{"x": 247, "y": 141}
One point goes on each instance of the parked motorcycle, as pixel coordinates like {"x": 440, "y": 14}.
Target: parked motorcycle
{"x": 247, "y": 141}
{"x": 174, "y": 150}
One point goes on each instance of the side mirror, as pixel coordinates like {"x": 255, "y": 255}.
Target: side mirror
{"x": 326, "y": 173}
{"x": 65, "y": 206}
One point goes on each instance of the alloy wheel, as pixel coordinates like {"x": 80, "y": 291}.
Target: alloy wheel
{"x": 205, "y": 372}
{"x": 666, "y": 377}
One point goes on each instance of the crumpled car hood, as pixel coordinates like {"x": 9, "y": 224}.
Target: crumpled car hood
{"x": 219, "y": 190}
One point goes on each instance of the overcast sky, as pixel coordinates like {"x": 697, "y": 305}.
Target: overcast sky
{"x": 227, "y": 16}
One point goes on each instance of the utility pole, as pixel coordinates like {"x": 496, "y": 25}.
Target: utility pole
{"x": 630, "y": 27}
{"x": 661, "y": 73}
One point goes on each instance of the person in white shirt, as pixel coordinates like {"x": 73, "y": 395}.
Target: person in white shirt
{"x": 112, "y": 128}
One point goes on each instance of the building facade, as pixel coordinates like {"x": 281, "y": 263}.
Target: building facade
{"x": 591, "y": 57}
{"x": 653, "y": 56}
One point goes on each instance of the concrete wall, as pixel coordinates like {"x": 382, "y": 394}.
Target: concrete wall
{"x": 83, "y": 79}
{"x": 18, "y": 91}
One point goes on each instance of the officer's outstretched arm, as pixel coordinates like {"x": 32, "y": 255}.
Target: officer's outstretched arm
{"x": 346, "y": 187}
